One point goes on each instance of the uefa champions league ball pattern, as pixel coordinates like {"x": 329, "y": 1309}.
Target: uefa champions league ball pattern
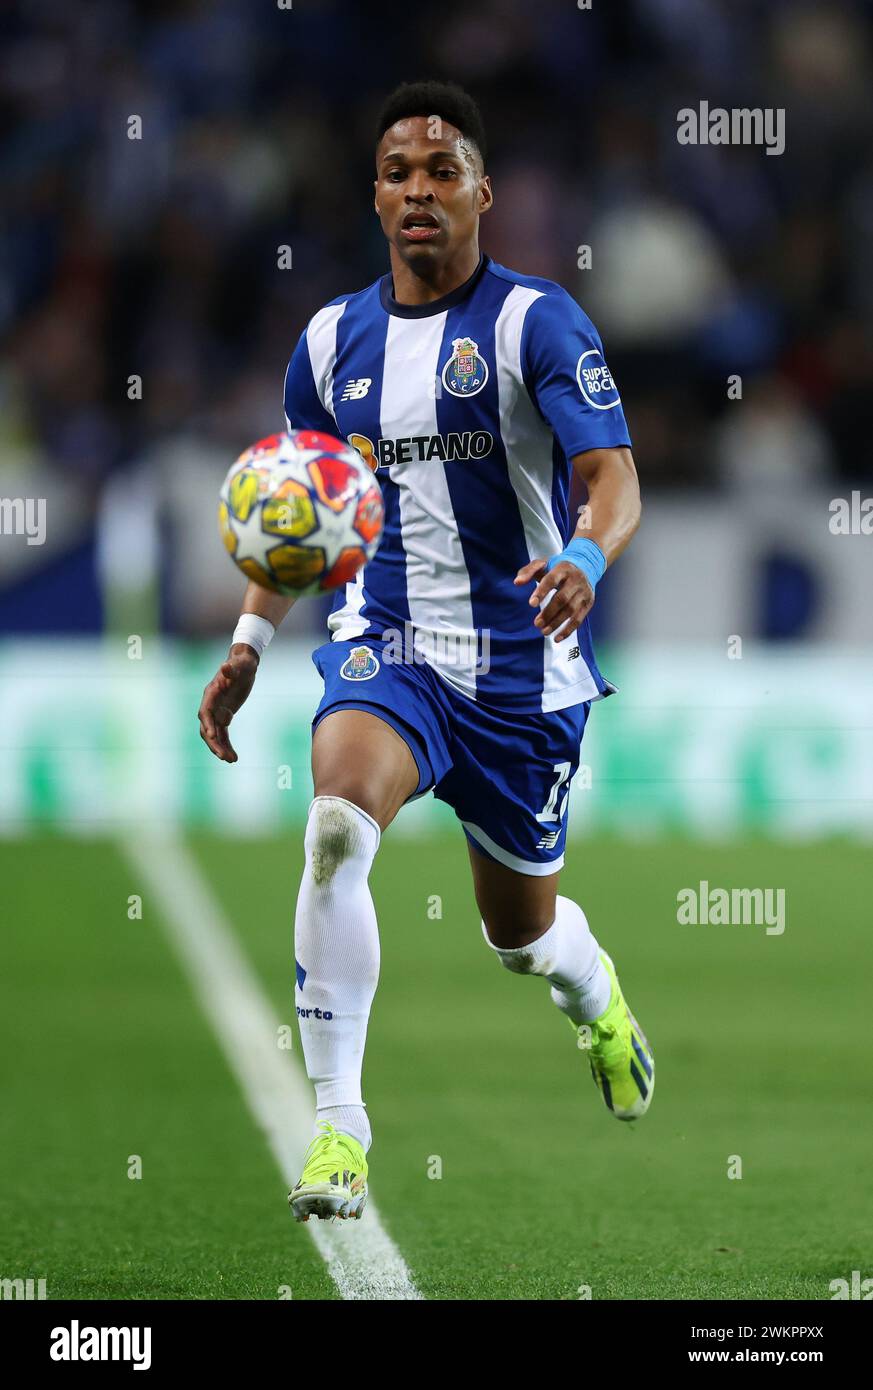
{"x": 301, "y": 513}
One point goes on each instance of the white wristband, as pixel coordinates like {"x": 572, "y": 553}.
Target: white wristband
{"x": 254, "y": 631}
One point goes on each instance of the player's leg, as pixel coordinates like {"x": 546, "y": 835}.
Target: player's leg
{"x": 535, "y": 931}
{"x": 509, "y": 785}
{"x": 363, "y": 771}
{"x": 379, "y": 738}
{"x": 356, "y": 755}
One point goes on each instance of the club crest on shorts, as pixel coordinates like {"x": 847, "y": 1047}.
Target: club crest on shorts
{"x": 361, "y": 664}
{"x": 466, "y": 372}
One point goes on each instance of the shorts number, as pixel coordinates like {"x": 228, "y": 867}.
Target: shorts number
{"x": 548, "y": 813}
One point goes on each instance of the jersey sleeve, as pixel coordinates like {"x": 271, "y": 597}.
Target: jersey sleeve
{"x": 567, "y": 378}
{"x": 303, "y": 407}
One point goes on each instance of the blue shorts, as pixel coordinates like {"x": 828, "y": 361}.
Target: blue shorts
{"x": 506, "y": 775}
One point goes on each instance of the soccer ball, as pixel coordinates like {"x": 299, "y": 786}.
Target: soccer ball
{"x": 301, "y": 513}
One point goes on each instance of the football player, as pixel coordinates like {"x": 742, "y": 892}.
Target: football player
{"x": 460, "y": 659}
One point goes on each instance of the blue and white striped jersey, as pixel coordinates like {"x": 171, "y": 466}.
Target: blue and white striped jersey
{"x": 469, "y": 409}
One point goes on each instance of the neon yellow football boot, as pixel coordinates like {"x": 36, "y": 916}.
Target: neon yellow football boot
{"x": 334, "y": 1178}
{"x": 621, "y": 1059}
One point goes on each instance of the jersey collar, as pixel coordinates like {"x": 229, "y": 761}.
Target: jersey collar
{"x": 436, "y": 306}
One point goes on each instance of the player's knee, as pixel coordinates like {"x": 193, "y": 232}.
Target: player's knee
{"x": 349, "y": 784}
{"x": 512, "y": 932}
{"x": 338, "y": 832}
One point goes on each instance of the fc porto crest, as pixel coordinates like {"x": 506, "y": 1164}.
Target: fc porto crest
{"x": 361, "y": 664}
{"x": 466, "y": 372}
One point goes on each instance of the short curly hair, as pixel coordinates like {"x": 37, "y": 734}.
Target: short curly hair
{"x": 444, "y": 99}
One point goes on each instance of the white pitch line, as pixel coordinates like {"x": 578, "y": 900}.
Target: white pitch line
{"x": 361, "y": 1257}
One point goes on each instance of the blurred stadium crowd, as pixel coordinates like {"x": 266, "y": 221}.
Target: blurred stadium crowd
{"x": 158, "y": 256}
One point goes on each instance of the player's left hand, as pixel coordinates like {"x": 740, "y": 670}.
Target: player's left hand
{"x": 572, "y": 601}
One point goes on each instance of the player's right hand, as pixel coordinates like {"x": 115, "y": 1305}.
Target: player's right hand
{"x": 228, "y": 689}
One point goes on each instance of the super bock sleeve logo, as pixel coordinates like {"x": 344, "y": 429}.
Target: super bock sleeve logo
{"x": 595, "y": 381}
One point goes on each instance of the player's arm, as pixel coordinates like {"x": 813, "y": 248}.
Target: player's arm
{"x": 566, "y": 376}
{"x": 262, "y": 612}
{"x": 606, "y": 527}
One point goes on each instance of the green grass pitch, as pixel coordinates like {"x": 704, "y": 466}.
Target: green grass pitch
{"x": 762, "y": 1046}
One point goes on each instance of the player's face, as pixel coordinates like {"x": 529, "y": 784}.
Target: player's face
{"x": 430, "y": 189}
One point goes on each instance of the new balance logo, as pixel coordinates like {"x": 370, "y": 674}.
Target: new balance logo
{"x": 573, "y": 653}
{"x": 356, "y": 389}
{"x": 549, "y": 841}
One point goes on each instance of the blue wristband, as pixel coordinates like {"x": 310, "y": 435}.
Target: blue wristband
{"x": 586, "y": 555}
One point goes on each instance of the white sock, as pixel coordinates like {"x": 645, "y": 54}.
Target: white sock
{"x": 567, "y": 955}
{"x": 336, "y": 945}
{"x": 348, "y": 1119}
